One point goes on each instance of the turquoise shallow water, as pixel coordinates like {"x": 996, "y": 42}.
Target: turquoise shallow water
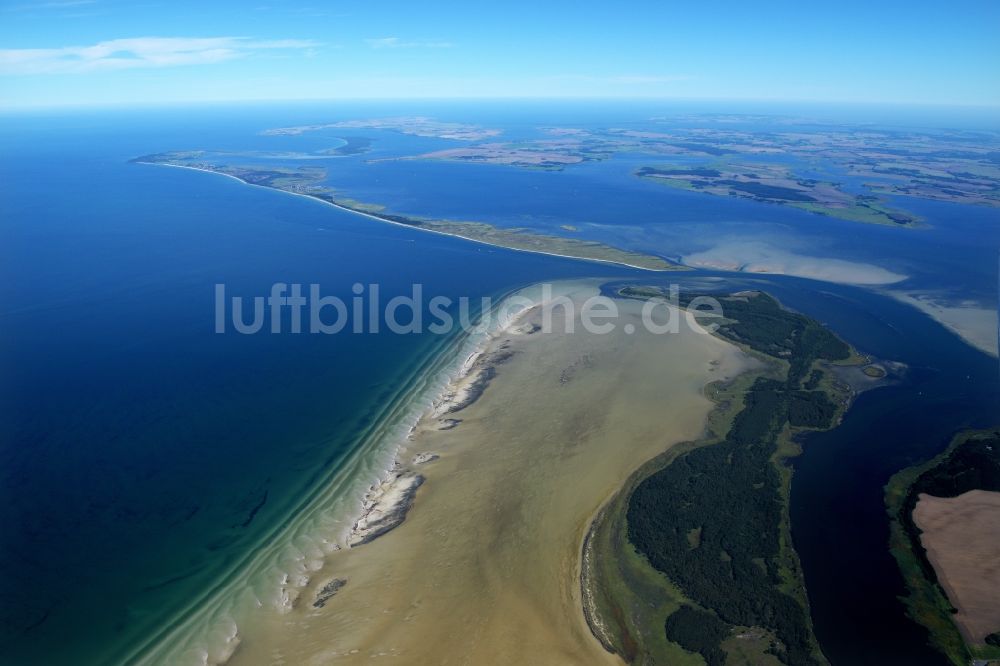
{"x": 143, "y": 455}
{"x": 144, "y": 458}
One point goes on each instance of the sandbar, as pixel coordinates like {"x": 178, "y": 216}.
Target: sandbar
{"x": 969, "y": 320}
{"x": 485, "y": 568}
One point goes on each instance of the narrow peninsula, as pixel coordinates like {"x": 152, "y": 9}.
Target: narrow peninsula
{"x": 309, "y": 182}
{"x": 692, "y": 562}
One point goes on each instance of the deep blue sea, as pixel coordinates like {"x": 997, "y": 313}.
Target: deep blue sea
{"x": 144, "y": 458}
{"x": 137, "y": 442}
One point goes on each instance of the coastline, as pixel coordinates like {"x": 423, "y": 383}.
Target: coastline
{"x": 637, "y": 554}
{"x": 192, "y": 224}
{"x": 348, "y": 511}
{"x": 930, "y": 600}
{"x": 420, "y": 227}
{"x": 976, "y": 326}
{"x": 974, "y": 323}
{"x": 495, "y": 532}
{"x": 387, "y": 501}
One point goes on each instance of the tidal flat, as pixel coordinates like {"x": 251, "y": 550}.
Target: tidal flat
{"x": 486, "y": 567}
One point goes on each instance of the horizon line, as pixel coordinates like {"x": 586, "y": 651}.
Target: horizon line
{"x": 6, "y": 107}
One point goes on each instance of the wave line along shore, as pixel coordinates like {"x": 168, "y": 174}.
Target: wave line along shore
{"x": 344, "y": 512}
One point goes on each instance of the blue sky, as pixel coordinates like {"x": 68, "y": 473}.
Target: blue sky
{"x": 68, "y": 52}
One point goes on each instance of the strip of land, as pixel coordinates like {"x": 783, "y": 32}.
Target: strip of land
{"x": 711, "y": 154}
{"x": 485, "y": 569}
{"x": 692, "y": 561}
{"x": 758, "y": 256}
{"x": 307, "y": 181}
{"x": 413, "y": 125}
{"x": 779, "y": 185}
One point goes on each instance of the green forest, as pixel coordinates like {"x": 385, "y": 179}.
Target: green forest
{"x": 712, "y": 520}
{"x": 973, "y": 465}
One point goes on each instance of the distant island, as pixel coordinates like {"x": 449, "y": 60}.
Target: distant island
{"x": 353, "y": 145}
{"x": 944, "y": 165}
{"x": 307, "y": 181}
{"x": 538, "y": 155}
{"x": 716, "y": 157}
{"x": 945, "y": 536}
{"x": 777, "y": 184}
{"x": 694, "y": 554}
{"x": 416, "y": 126}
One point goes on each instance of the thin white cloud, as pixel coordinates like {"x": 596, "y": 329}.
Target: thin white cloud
{"x": 118, "y": 54}
{"x": 41, "y": 6}
{"x": 397, "y": 43}
{"x": 627, "y": 79}
{"x": 644, "y": 78}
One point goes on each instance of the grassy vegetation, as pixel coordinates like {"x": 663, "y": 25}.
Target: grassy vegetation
{"x": 971, "y": 462}
{"x": 524, "y": 239}
{"x": 711, "y": 517}
{"x": 630, "y": 598}
{"x": 353, "y": 145}
{"x": 863, "y": 210}
{"x": 516, "y": 239}
{"x": 874, "y": 371}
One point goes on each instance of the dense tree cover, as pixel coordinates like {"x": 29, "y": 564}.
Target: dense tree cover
{"x": 813, "y": 381}
{"x": 973, "y": 465}
{"x": 731, "y": 492}
{"x": 759, "y": 322}
{"x": 811, "y": 409}
{"x": 698, "y": 631}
